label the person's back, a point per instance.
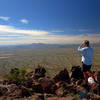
(87, 54)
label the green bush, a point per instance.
(18, 75)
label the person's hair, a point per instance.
(86, 42)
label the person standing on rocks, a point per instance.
(87, 55)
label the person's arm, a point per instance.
(80, 48)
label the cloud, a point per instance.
(58, 39)
(11, 35)
(82, 30)
(24, 21)
(14, 35)
(57, 31)
(12, 29)
(4, 18)
(69, 39)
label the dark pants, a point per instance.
(85, 67)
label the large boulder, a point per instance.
(39, 72)
(77, 73)
(63, 75)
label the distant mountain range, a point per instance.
(40, 45)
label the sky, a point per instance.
(49, 21)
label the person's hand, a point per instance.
(82, 44)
